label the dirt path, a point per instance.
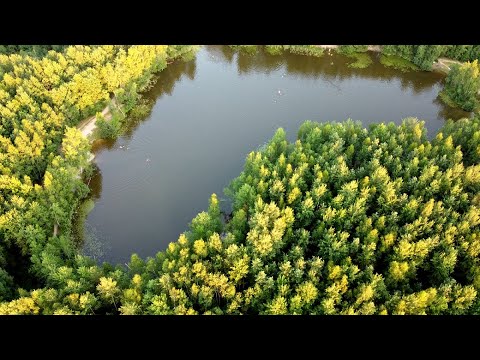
(87, 126)
(328, 46)
(444, 64)
(376, 48)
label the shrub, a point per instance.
(362, 60)
(351, 49)
(108, 129)
(462, 85)
(398, 63)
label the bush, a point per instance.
(462, 52)
(351, 49)
(310, 50)
(274, 49)
(108, 129)
(362, 60)
(462, 85)
(141, 110)
(421, 55)
(248, 49)
(398, 63)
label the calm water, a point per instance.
(210, 113)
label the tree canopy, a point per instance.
(42, 99)
(462, 85)
(345, 220)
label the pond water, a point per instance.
(209, 113)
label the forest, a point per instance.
(344, 220)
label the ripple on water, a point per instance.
(210, 114)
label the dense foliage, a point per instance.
(311, 50)
(249, 49)
(424, 55)
(343, 221)
(41, 153)
(421, 55)
(462, 52)
(351, 49)
(462, 85)
(398, 62)
(362, 60)
(32, 50)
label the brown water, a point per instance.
(210, 113)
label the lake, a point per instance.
(209, 113)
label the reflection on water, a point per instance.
(209, 113)
(94, 245)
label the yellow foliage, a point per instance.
(200, 248)
(107, 288)
(308, 292)
(21, 306)
(215, 243)
(278, 306)
(398, 270)
(239, 269)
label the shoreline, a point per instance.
(442, 64)
(88, 126)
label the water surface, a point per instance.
(209, 113)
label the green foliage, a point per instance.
(352, 49)
(310, 50)
(37, 51)
(274, 49)
(184, 52)
(462, 85)
(247, 49)
(108, 129)
(446, 99)
(141, 110)
(45, 91)
(398, 63)
(462, 52)
(344, 220)
(421, 55)
(6, 283)
(362, 60)
(424, 55)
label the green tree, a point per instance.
(463, 84)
